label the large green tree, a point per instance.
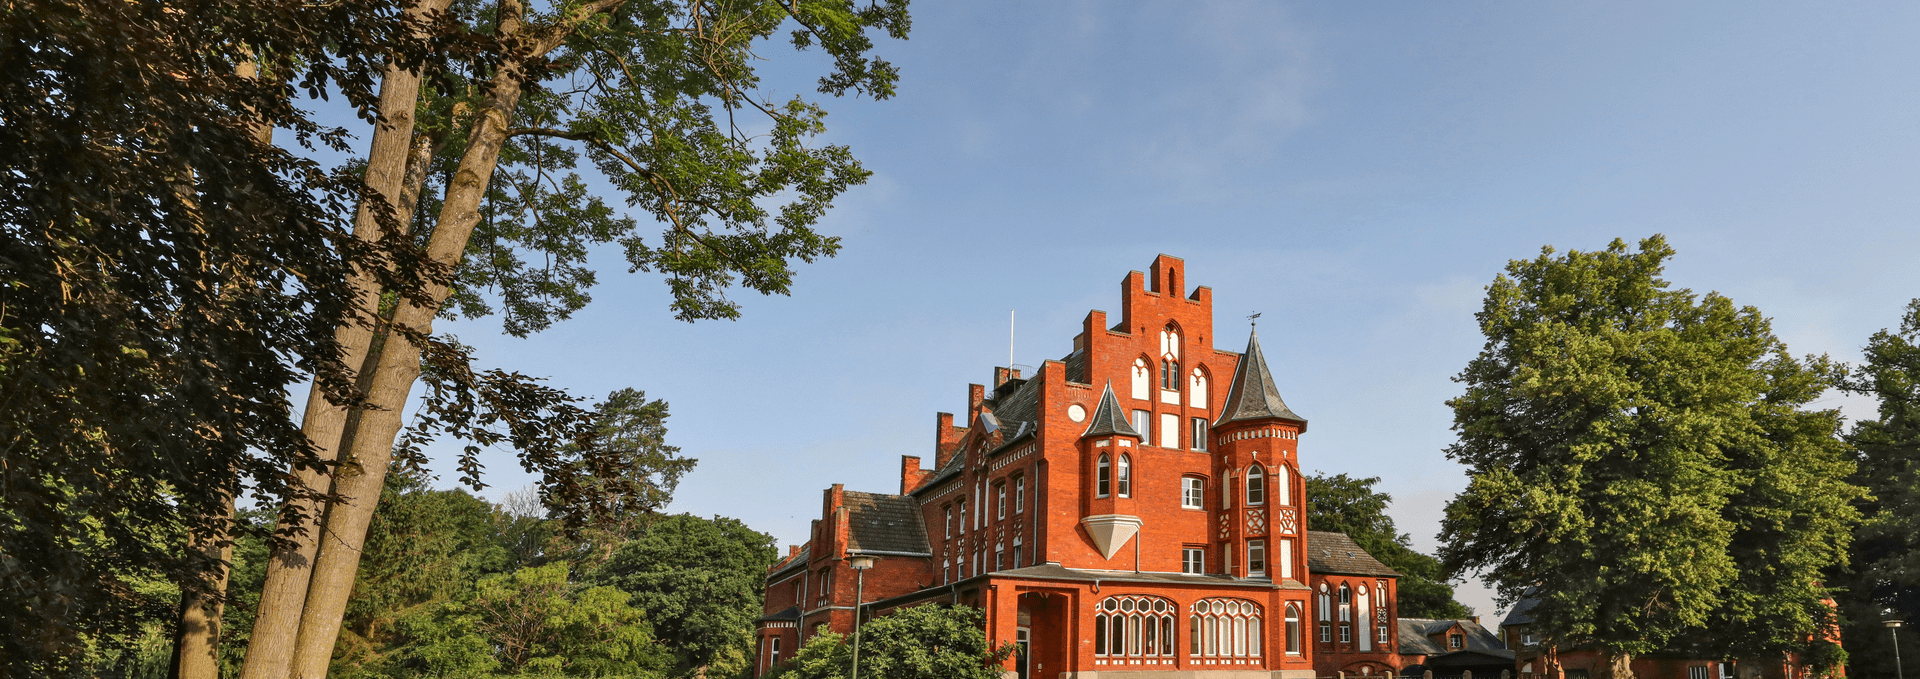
(663, 98)
(701, 582)
(1344, 504)
(1642, 461)
(167, 275)
(1885, 574)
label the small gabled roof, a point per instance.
(1253, 394)
(1336, 553)
(1107, 418)
(880, 522)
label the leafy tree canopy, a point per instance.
(1886, 549)
(701, 583)
(1642, 462)
(1344, 504)
(932, 641)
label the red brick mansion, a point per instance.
(1132, 510)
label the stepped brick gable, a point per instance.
(1131, 510)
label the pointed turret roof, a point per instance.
(1107, 419)
(1253, 395)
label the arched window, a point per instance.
(1256, 485)
(1282, 486)
(1131, 626)
(1326, 615)
(1170, 359)
(1197, 389)
(1293, 628)
(1224, 631)
(1103, 477)
(1142, 379)
(1126, 475)
(1346, 614)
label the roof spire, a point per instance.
(1106, 418)
(1253, 394)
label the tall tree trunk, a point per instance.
(196, 643)
(270, 652)
(372, 436)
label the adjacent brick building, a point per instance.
(1131, 510)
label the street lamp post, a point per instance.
(860, 564)
(1893, 625)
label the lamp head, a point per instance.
(1890, 618)
(860, 563)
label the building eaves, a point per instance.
(1336, 553)
(1253, 394)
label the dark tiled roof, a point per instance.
(1023, 405)
(878, 522)
(1076, 366)
(792, 562)
(1414, 638)
(788, 613)
(1337, 553)
(1521, 614)
(1253, 394)
(1107, 418)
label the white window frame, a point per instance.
(1103, 476)
(1199, 432)
(1123, 476)
(1000, 500)
(1256, 483)
(1256, 558)
(1193, 560)
(1019, 493)
(1193, 492)
(1143, 423)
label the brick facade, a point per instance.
(1147, 478)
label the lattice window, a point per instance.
(1133, 630)
(1224, 631)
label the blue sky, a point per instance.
(1355, 171)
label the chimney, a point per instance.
(975, 394)
(793, 551)
(910, 473)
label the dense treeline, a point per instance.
(452, 585)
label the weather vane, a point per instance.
(1254, 319)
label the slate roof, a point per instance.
(1521, 614)
(878, 522)
(1107, 419)
(1336, 553)
(1076, 363)
(788, 613)
(1414, 639)
(1253, 394)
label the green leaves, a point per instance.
(700, 581)
(930, 641)
(1344, 504)
(1641, 460)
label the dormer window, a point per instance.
(1256, 485)
(1455, 641)
(1126, 476)
(1103, 477)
